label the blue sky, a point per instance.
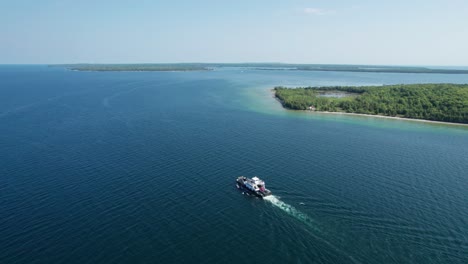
(416, 32)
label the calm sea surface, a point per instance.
(139, 167)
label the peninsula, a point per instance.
(259, 66)
(137, 67)
(436, 102)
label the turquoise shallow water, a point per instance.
(103, 167)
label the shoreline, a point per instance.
(86, 70)
(382, 116)
(367, 115)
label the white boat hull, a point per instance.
(241, 184)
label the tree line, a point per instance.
(438, 102)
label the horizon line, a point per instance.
(285, 63)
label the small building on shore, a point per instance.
(311, 108)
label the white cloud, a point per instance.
(317, 11)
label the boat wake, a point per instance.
(289, 209)
(318, 234)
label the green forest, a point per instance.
(137, 67)
(438, 102)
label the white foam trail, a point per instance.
(289, 209)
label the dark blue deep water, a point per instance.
(139, 167)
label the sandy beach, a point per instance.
(381, 116)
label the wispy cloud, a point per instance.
(317, 11)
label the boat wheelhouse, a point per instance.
(253, 185)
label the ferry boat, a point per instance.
(253, 186)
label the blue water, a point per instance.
(139, 167)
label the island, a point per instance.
(436, 102)
(259, 66)
(137, 67)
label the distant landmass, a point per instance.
(258, 66)
(389, 69)
(136, 67)
(436, 102)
